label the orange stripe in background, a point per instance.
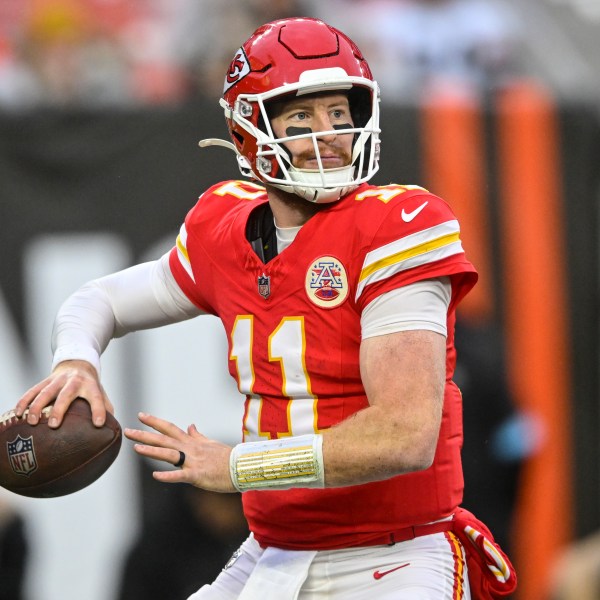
(454, 168)
(534, 287)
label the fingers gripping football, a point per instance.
(206, 461)
(69, 380)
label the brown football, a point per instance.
(40, 462)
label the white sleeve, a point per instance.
(141, 297)
(420, 305)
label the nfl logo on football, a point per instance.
(264, 286)
(21, 455)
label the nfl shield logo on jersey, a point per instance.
(22, 456)
(264, 286)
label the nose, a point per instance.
(324, 123)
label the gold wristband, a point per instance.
(278, 464)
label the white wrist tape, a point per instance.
(278, 464)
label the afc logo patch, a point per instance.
(21, 455)
(238, 69)
(326, 282)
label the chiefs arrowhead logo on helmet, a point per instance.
(238, 69)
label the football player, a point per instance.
(338, 298)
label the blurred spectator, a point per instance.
(186, 538)
(99, 53)
(417, 45)
(577, 573)
(210, 31)
(62, 56)
(13, 553)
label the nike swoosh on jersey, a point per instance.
(380, 574)
(407, 217)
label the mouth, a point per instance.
(329, 160)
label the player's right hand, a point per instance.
(70, 379)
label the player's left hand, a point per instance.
(206, 462)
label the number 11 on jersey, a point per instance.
(287, 346)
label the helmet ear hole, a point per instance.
(237, 138)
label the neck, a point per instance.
(290, 210)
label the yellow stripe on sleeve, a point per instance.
(415, 250)
(182, 252)
(182, 249)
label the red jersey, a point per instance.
(294, 334)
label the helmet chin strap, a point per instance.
(324, 193)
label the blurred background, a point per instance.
(492, 104)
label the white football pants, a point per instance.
(431, 567)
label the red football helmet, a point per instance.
(292, 57)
